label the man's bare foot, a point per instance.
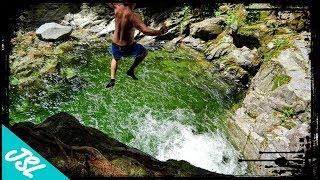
(131, 74)
(111, 83)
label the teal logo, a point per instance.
(20, 161)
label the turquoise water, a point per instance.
(175, 110)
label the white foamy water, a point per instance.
(165, 140)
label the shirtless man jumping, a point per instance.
(123, 44)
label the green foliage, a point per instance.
(279, 80)
(14, 81)
(264, 15)
(186, 18)
(231, 18)
(217, 13)
(286, 116)
(288, 112)
(237, 14)
(280, 44)
(68, 72)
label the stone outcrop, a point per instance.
(80, 151)
(276, 110)
(208, 28)
(53, 31)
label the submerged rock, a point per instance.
(80, 151)
(53, 31)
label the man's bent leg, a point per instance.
(114, 67)
(136, 62)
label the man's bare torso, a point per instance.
(124, 30)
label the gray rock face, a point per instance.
(108, 29)
(208, 28)
(53, 31)
(245, 58)
(274, 114)
(223, 46)
(195, 43)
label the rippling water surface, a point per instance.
(174, 111)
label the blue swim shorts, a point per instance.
(134, 50)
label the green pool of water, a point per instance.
(175, 107)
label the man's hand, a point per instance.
(164, 29)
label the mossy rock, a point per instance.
(68, 72)
(237, 14)
(64, 47)
(279, 80)
(130, 166)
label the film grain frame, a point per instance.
(11, 9)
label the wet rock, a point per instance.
(80, 151)
(208, 28)
(53, 31)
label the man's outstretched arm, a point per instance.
(141, 26)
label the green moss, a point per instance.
(186, 18)
(49, 67)
(288, 112)
(64, 47)
(217, 13)
(286, 117)
(281, 43)
(279, 80)
(68, 72)
(237, 14)
(264, 15)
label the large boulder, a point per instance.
(208, 28)
(53, 31)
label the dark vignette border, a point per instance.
(11, 9)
